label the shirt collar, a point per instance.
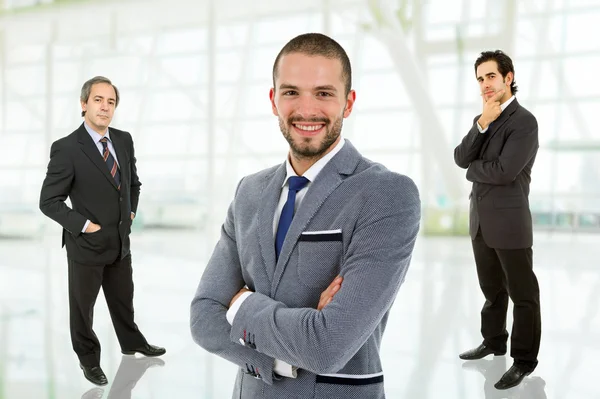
(507, 103)
(313, 171)
(95, 135)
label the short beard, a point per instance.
(303, 150)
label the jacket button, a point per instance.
(478, 198)
(120, 199)
(120, 223)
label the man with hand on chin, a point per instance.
(269, 299)
(499, 152)
(95, 168)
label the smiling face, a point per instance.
(491, 81)
(310, 102)
(100, 107)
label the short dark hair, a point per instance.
(86, 89)
(505, 65)
(317, 44)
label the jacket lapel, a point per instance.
(497, 124)
(270, 194)
(91, 151)
(332, 175)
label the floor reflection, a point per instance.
(493, 369)
(434, 317)
(131, 370)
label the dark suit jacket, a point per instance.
(78, 171)
(499, 163)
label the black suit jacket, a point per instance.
(499, 163)
(78, 171)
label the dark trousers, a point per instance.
(84, 284)
(505, 273)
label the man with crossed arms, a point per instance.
(266, 299)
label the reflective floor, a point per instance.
(436, 316)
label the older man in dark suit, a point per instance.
(498, 153)
(95, 168)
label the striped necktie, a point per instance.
(111, 163)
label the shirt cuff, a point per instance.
(85, 226)
(284, 369)
(236, 306)
(481, 130)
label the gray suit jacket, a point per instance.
(336, 349)
(499, 164)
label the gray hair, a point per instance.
(86, 89)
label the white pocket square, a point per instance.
(336, 231)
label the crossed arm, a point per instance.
(468, 150)
(520, 146)
(324, 340)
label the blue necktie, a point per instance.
(296, 183)
(113, 168)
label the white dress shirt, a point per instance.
(281, 367)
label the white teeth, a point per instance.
(309, 128)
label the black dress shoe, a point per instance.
(480, 352)
(513, 377)
(146, 350)
(94, 374)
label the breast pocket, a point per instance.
(319, 257)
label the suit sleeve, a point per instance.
(135, 181)
(520, 147)
(221, 280)
(375, 265)
(468, 150)
(56, 189)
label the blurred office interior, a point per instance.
(194, 77)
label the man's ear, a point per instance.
(272, 98)
(350, 99)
